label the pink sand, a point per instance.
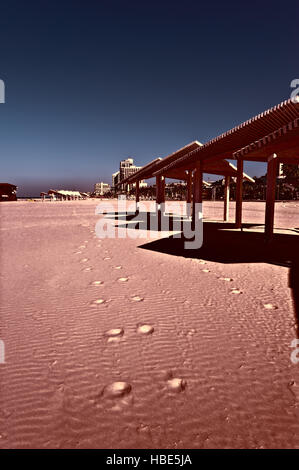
(238, 387)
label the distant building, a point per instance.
(280, 169)
(8, 192)
(126, 169)
(280, 173)
(101, 188)
(115, 179)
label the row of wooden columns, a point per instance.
(272, 166)
(197, 176)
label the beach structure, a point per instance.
(8, 192)
(158, 169)
(278, 147)
(66, 195)
(271, 137)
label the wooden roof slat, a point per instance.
(242, 135)
(286, 138)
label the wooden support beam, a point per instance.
(189, 193)
(159, 197)
(239, 193)
(137, 194)
(137, 191)
(158, 189)
(226, 199)
(197, 190)
(270, 195)
(163, 189)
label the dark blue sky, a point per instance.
(89, 83)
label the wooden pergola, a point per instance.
(281, 146)
(159, 169)
(271, 137)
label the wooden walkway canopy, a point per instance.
(271, 137)
(161, 165)
(157, 166)
(226, 144)
(281, 146)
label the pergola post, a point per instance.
(159, 199)
(189, 193)
(137, 195)
(239, 193)
(226, 199)
(197, 191)
(162, 189)
(270, 195)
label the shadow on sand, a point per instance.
(222, 245)
(141, 220)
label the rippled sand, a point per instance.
(110, 345)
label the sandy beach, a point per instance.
(123, 343)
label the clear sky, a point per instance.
(89, 83)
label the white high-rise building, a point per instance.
(101, 188)
(126, 169)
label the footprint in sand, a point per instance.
(97, 283)
(116, 390)
(191, 332)
(123, 279)
(176, 384)
(114, 333)
(145, 329)
(227, 279)
(270, 306)
(294, 388)
(136, 298)
(236, 291)
(98, 302)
